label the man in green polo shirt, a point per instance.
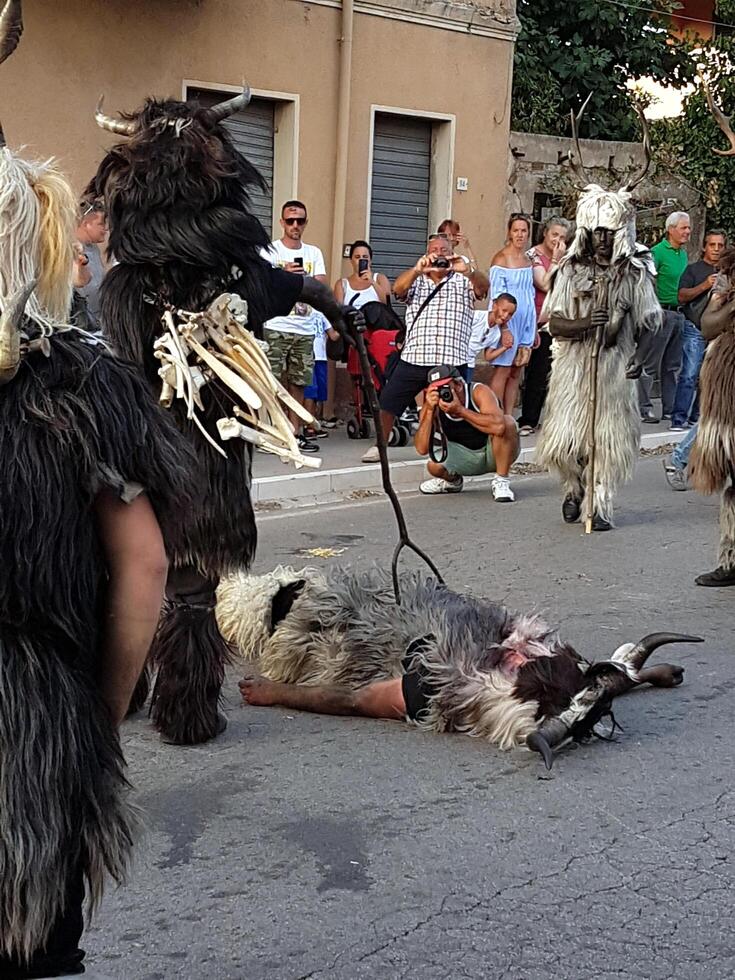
(659, 354)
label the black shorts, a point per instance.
(406, 381)
(415, 684)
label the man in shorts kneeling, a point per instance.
(479, 437)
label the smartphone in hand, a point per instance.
(362, 266)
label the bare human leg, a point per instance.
(505, 447)
(498, 384)
(511, 389)
(297, 392)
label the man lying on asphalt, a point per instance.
(479, 437)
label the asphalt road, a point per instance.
(300, 846)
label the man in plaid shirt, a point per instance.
(438, 329)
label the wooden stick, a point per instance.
(599, 301)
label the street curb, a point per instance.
(323, 483)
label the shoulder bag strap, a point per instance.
(425, 303)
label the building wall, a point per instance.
(128, 49)
(536, 169)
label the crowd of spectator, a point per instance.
(490, 351)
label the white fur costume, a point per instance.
(633, 307)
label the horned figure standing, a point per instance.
(601, 299)
(712, 460)
(183, 233)
(83, 447)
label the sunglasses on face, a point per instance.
(294, 221)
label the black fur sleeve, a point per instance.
(130, 438)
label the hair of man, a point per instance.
(294, 204)
(715, 232)
(675, 217)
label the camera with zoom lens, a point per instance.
(440, 263)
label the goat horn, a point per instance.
(634, 181)
(722, 121)
(224, 109)
(2, 138)
(10, 333)
(11, 28)
(645, 647)
(119, 126)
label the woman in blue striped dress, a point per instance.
(511, 272)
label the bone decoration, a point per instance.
(216, 348)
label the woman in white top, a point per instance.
(364, 285)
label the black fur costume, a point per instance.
(70, 424)
(182, 232)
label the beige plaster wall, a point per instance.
(73, 51)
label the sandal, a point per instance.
(526, 430)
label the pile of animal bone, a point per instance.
(215, 347)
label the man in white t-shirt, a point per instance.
(291, 338)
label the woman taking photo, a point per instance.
(545, 258)
(511, 272)
(363, 285)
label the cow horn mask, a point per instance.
(120, 126)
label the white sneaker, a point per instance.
(372, 455)
(437, 485)
(501, 491)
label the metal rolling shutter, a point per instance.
(252, 133)
(399, 202)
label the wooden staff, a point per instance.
(599, 302)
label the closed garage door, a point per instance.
(252, 133)
(399, 202)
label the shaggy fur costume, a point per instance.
(495, 674)
(633, 307)
(712, 461)
(176, 194)
(70, 424)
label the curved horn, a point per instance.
(10, 333)
(545, 738)
(11, 28)
(645, 647)
(722, 121)
(119, 126)
(224, 109)
(634, 181)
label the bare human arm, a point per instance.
(423, 435)
(382, 287)
(406, 279)
(137, 567)
(490, 419)
(687, 295)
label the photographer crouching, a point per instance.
(473, 435)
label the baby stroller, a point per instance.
(383, 336)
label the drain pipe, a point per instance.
(343, 136)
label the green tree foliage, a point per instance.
(566, 50)
(683, 145)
